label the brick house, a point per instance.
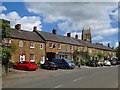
(29, 46)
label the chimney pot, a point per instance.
(18, 27)
(54, 31)
(76, 36)
(108, 44)
(68, 34)
(34, 28)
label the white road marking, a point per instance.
(58, 86)
(79, 78)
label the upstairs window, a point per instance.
(41, 46)
(21, 44)
(59, 46)
(71, 47)
(50, 45)
(32, 45)
(7, 41)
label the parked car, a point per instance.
(114, 62)
(25, 65)
(93, 63)
(107, 63)
(100, 63)
(63, 63)
(49, 65)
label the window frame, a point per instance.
(20, 42)
(33, 58)
(59, 46)
(41, 44)
(33, 44)
(50, 45)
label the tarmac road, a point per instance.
(87, 77)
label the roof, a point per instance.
(26, 35)
(70, 40)
(58, 38)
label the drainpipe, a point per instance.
(45, 50)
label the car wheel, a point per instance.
(27, 69)
(14, 67)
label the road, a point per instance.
(91, 77)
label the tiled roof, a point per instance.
(26, 35)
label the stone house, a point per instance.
(29, 46)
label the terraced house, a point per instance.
(58, 46)
(29, 46)
(39, 45)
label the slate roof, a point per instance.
(70, 40)
(26, 35)
(58, 38)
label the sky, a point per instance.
(100, 17)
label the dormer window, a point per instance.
(32, 45)
(21, 44)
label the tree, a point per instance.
(118, 52)
(83, 55)
(5, 32)
(100, 56)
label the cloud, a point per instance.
(74, 33)
(75, 15)
(116, 44)
(96, 38)
(105, 42)
(27, 22)
(3, 8)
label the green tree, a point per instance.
(118, 52)
(100, 56)
(83, 55)
(5, 32)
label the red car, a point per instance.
(25, 65)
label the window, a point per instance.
(20, 44)
(59, 46)
(50, 45)
(7, 41)
(71, 47)
(32, 45)
(22, 57)
(32, 58)
(41, 46)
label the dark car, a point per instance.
(93, 63)
(63, 63)
(49, 65)
(114, 62)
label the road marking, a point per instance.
(58, 86)
(79, 78)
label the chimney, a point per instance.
(54, 31)
(18, 27)
(108, 44)
(34, 28)
(68, 34)
(76, 36)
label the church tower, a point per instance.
(86, 35)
